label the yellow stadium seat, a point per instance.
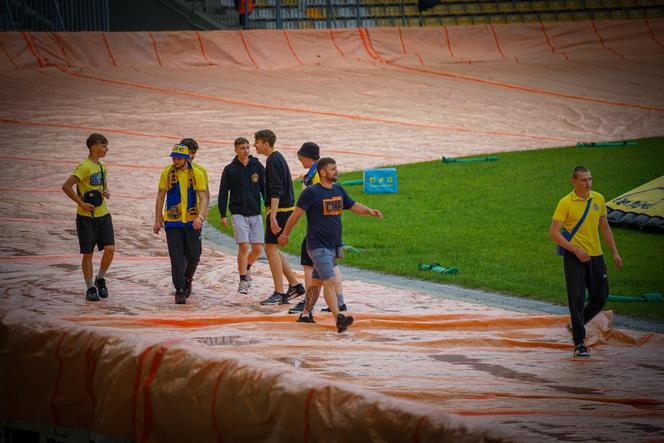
(610, 4)
(412, 11)
(514, 18)
(489, 8)
(644, 3)
(530, 18)
(637, 13)
(497, 19)
(573, 5)
(540, 6)
(473, 8)
(414, 21)
(627, 3)
(464, 20)
(564, 17)
(522, 6)
(582, 16)
(441, 10)
(457, 9)
(481, 20)
(432, 21)
(448, 21)
(547, 17)
(556, 5)
(601, 15)
(654, 13)
(619, 14)
(506, 7)
(594, 4)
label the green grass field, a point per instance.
(491, 220)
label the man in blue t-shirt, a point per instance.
(324, 204)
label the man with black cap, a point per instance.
(93, 221)
(308, 154)
(183, 189)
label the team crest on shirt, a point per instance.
(595, 206)
(254, 178)
(174, 212)
(95, 179)
(333, 206)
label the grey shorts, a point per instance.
(324, 261)
(247, 229)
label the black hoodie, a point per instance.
(245, 183)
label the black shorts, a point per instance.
(282, 218)
(305, 260)
(91, 231)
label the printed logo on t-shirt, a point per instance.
(254, 178)
(595, 207)
(333, 206)
(95, 179)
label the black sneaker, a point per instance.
(180, 296)
(276, 299)
(343, 321)
(341, 308)
(580, 350)
(92, 295)
(100, 283)
(297, 309)
(188, 282)
(306, 319)
(295, 291)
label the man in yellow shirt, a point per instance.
(93, 222)
(193, 150)
(183, 189)
(583, 260)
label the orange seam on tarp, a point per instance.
(215, 391)
(646, 338)
(449, 43)
(516, 59)
(495, 37)
(366, 42)
(7, 54)
(416, 434)
(154, 46)
(108, 48)
(652, 34)
(601, 41)
(33, 48)
(54, 395)
(548, 42)
(528, 88)
(334, 41)
(137, 384)
(322, 113)
(403, 44)
(292, 50)
(147, 398)
(246, 48)
(59, 42)
(307, 404)
(200, 43)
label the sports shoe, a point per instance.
(244, 287)
(92, 295)
(580, 350)
(298, 308)
(341, 308)
(569, 329)
(180, 296)
(100, 283)
(306, 319)
(276, 299)
(343, 321)
(187, 286)
(295, 291)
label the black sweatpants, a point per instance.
(184, 248)
(579, 276)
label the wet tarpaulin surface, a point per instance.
(413, 366)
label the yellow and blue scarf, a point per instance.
(172, 216)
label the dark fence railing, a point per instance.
(54, 15)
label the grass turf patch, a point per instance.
(491, 220)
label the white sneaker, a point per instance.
(244, 287)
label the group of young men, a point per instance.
(183, 189)
(181, 208)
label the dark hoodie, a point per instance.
(245, 183)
